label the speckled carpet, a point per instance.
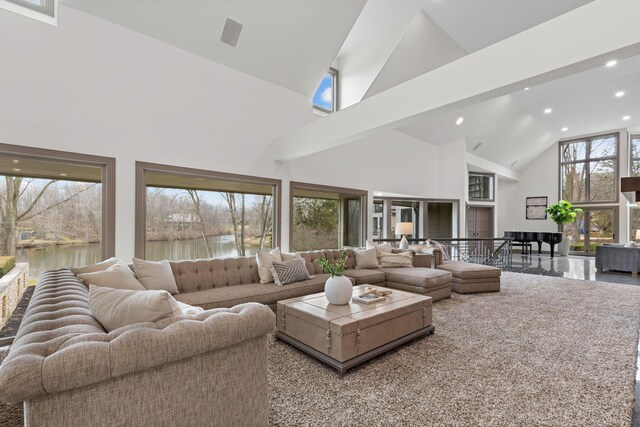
(544, 351)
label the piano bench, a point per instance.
(527, 248)
(471, 278)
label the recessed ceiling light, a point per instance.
(16, 161)
(459, 121)
(63, 174)
(620, 94)
(527, 88)
(548, 110)
(611, 63)
(626, 117)
(564, 129)
(16, 170)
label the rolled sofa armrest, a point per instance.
(67, 359)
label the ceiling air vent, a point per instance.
(478, 145)
(231, 32)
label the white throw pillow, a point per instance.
(100, 266)
(381, 249)
(264, 260)
(366, 258)
(118, 276)
(155, 275)
(189, 310)
(115, 308)
(401, 260)
(631, 244)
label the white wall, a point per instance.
(539, 178)
(92, 87)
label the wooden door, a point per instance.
(479, 222)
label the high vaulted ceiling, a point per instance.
(290, 43)
(472, 24)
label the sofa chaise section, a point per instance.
(426, 281)
(70, 372)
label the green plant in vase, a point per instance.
(563, 213)
(338, 288)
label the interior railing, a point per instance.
(491, 251)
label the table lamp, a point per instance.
(637, 235)
(404, 228)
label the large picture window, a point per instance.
(589, 170)
(326, 217)
(184, 213)
(634, 170)
(57, 209)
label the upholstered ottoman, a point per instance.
(471, 278)
(426, 281)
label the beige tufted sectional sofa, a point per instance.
(183, 370)
(214, 283)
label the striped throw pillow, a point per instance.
(294, 270)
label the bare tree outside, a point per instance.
(47, 212)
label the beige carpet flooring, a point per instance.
(544, 352)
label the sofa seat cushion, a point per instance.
(264, 293)
(466, 270)
(364, 276)
(420, 277)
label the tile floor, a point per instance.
(578, 267)
(571, 267)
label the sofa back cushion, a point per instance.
(312, 258)
(203, 274)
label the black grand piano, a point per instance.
(525, 238)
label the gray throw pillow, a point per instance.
(291, 271)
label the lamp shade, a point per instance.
(404, 228)
(637, 235)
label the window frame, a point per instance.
(493, 186)
(49, 8)
(335, 75)
(586, 162)
(108, 182)
(631, 208)
(348, 192)
(141, 196)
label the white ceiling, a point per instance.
(291, 43)
(473, 24)
(515, 127)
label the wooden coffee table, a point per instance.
(343, 336)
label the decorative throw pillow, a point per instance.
(100, 266)
(366, 258)
(288, 257)
(384, 248)
(155, 275)
(401, 260)
(631, 244)
(189, 310)
(423, 249)
(294, 270)
(115, 308)
(443, 249)
(264, 260)
(118, 276)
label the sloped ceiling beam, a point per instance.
(579, 40)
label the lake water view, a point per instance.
(42, 259)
